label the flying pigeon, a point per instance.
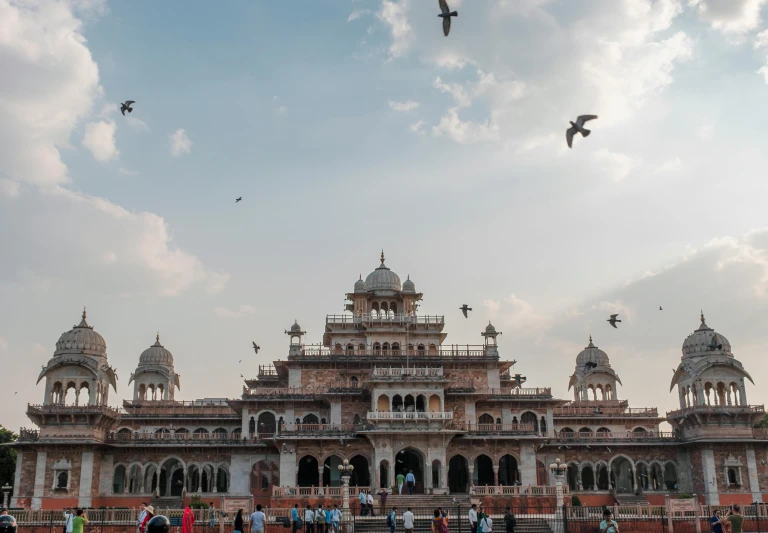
(613, 320)
(256, 347)
(241, 375)
(660, 309)
(238, 199)
(578, 127)
(713, 345)
(446, 16)
(127, 106)
(464, 308)
(590, 364)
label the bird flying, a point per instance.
(713, 345)
(590, 364)
(578, 127)
(660, 309)
(464, 308)
(256, 347)
(126, 106)
(446, 16)
(238, 199)
(613, 320)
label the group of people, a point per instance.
(732, 521)
(74, 520)
(481, 522)
(316, 519)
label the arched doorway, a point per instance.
(171, 478)
(587, 478)
(530, 418)
(622, 476)
(410, 461)
(267, 424)
(361, 475)
(670, 476)
(483, 474)
(264, 476)
(602, 477)
(508, 473)
(573, 477)
(436, 471)
(384, 475)
(308, 475)
(458, 475)
(331, 474)
(541, 474)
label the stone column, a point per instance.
(39, 490)
(742, 393)
(288, 470)
(17, 479)
(320, 475)
(754, 482)
(244, 426)
(527, 464)
(215, 476)
(709, 471)
(471, 476)
(550, 423)
(86, 480)
(495, 475)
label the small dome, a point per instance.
(592, 354)
(360, 285)
(489, 329)
(156, 355)
(705, 341)
(295, 328)
(383, 278)
(409, 286)
(81, 339)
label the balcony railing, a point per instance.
(715, 409)
(413, 415)
(72, 410)
(315, 430)
(495, 429)
(301, 393)
(468, 387)
(600, 411)
(28, 435)
(352, 492)
(182, 438)
(267, 371)
(399, 372)
(452, 352)
(215, 408)
(517, 490)
(367, 318)
(629, 436)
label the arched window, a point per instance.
(395, 348)
(350, 349)
(338, 349)
(485, 419)
(61, 480)
(310, 419)
(530, 418)
(220, 433)
(420, 349)
(118, 480)
(376, 348)
(585, 433)
(201, 433)
(356, 419)
(385, 348)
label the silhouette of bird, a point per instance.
(446, 16)
(241, 375)
(127, 106)
(464, 308)
(256, 347)
(240, 361)
(713, 345)
(660, 309)
(238, 199)
(590, 364)
(578, 127)
(613, 320)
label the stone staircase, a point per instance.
(423, 502)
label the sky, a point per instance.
(349, 127)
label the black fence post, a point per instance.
(51, 523)
(459, 517)
(662, 519)
(757, 516)
(565, 519)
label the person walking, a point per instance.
(79, 521)
(410, 480)
(608, 525)
(150, 512)
(238, 527)
(319, 519)
(295, 518)
(142, 514)
(735, 519)
(400, 479)
(392, 519)
(258, 520)
(408, 520)
(369, 499)
(68, 516)
(473, 518)
(510, 522)
(309, 520)
(335, 518)
(437, 522)
(188, 521)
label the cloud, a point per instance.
(136, 123)
(395, 15)
(127, 172)
(618, 166)
(517, 315)
(3, 345)
(408, 105)
(282, 109)
(9, 188)
(180, 143)
(417, 127)
(99, 138)
(357, 13)
(705, 132)
(450, 60)
(465, 132)
(243, 310)
(732, 17)
(671, 166)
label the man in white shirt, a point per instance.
(258, 520)
(335, 518)
(309, 519)
(408, 521)
(68, 516)
(142, 515)
(369, 499)
(473, 518)
(486, 524)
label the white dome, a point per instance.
(409, 286)
(594, 354)
(81, 339)
(156, 355)
(360, 285)
(383, 278)
(705, 341)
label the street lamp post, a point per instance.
(6, 500)
(346, 471)
(559, 471)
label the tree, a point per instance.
(763, 422)
(7, 457)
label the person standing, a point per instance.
(383, 500)
(79, 521)
(369, 499)
(408, 521)
(400, 479)
(238, 527)
(510, 522)
(392, 519)
(319, 519)
(142, 514)
(68, 516)
(410, 480)
(363, 503)
(309, 520)
(150, 512)
(486, 524)
(188, 521)
(716, 523)
(295, 518)
(258, 520)
(608, 525)
(735, 519)
(212, 513)
(335, 518)
(473, 518)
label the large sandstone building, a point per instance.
(384, 391)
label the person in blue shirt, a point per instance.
(295, 518)
(410, 481)
(392, 520)
(716, 523)
(335, 518)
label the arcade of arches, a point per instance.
(622, 475)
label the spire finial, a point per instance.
(84, 315)
(157, 337)
(361, 277)
(382, 256)
(590, 339)
(702, 316)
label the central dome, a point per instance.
(383, 279)
(81, 339)
(592, 354)
(156, 355)
(705, 341)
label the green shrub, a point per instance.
(197, 503)
(575, 501)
